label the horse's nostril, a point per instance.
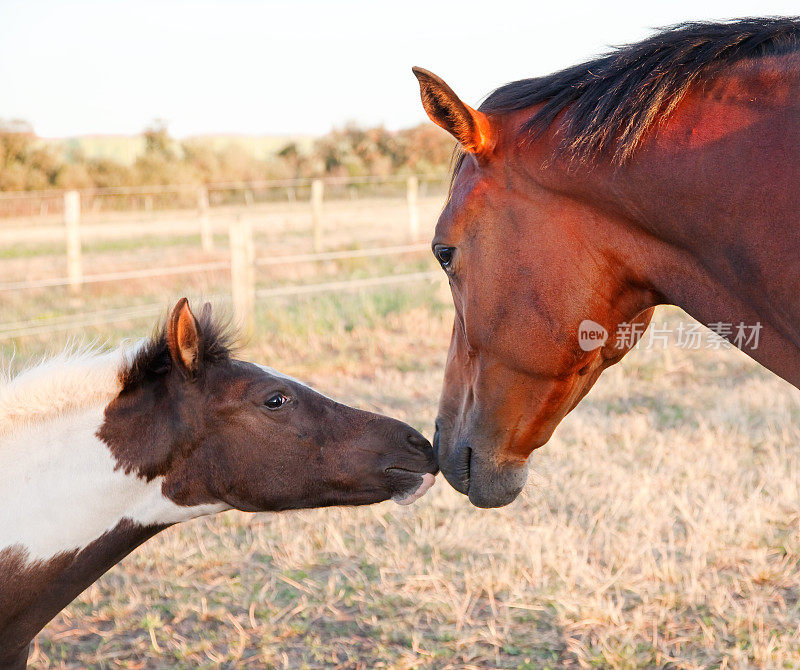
(436, 437)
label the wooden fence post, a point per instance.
(242, 274)
(412, 189)
(72, 223)
(206, 234)
(317, 188)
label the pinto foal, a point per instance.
(98, 453)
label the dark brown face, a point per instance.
(270, 443)
(223, 430)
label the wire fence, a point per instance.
(215, 266)
(240, 261)
(158, 197)
(17, 329)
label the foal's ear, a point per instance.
(183, 338)
(471, 128)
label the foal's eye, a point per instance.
(276, 401)
(444, 255)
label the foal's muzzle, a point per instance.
(412, 470)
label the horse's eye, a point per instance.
(444, 255)
(276, 401)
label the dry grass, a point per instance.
(660, 527)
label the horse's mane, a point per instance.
(610, 102)
(82, 375)
(78, 376)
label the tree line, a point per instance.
(28, 163)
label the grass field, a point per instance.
(659, 528)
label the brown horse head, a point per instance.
(582, 199)
(221, 430)
(523, 281)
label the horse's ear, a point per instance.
(471, 128)
(183, 338)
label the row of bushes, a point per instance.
(27, 163)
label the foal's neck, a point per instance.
(61, 488)
(32, 593)
(68, 512)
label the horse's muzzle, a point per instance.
(472, 469)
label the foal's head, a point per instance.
(221, 430)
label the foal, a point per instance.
(98, 453)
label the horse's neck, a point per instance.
(728, 210)
(710, 210)
(68, 513)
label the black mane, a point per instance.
(153, 358)
(611, 101)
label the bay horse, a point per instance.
(98, 453)
(665, 172)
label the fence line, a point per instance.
(117, 276)
(338, 255)
(70, 322)
(71, 208)
(347, 284)
(241, 262)
(158, 189)
(109, 312)
(213, 266)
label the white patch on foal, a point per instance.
(62, 383)
(76, 378)
(60, 486)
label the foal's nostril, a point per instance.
(416, 440)
(422, 455)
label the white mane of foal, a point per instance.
(77, 377)
(60, 486)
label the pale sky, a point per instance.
(269, 67)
